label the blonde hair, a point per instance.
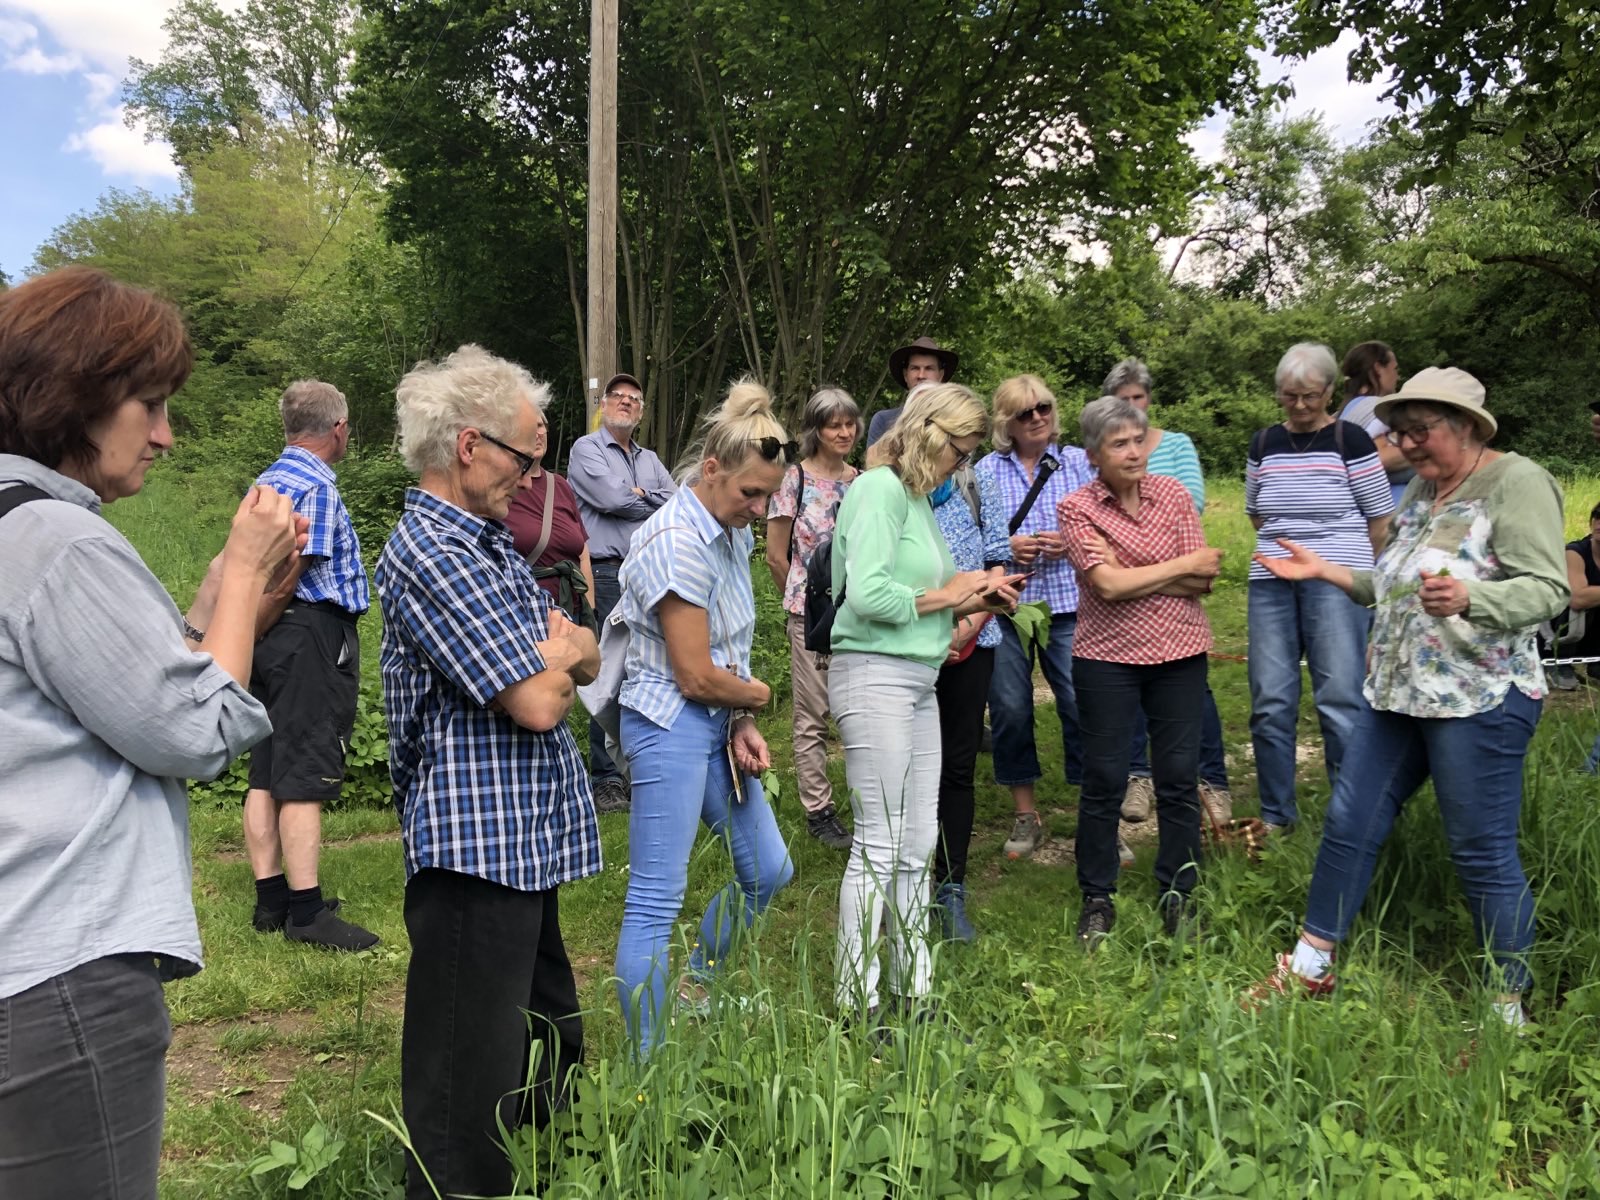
(730, 433)
(1012, 397)
(470, 389)
(933, 417)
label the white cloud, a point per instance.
(120, 150)
(101, 88)
(1322, 85)
(16, 33)
(103, 32)
(34, 61)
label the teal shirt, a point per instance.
(887, 551)
(1175, 455)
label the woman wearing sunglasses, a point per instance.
(1027, 437)
(693, 748)
(899, 598)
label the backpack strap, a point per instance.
(799, 505)
(18, 495)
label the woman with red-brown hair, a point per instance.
(109, 700)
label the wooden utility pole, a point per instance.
(602, 348)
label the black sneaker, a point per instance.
(826, 827)
(612, 795)
(1095, 921)
(331, 933)
(272, 920)
(1177, 914)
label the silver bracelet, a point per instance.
(191, 633)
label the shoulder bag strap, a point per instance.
(18, 495)
(799, 504)
(1041, 475)
(544, 518)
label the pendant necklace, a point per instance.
(1296, 446)
(1451, 490)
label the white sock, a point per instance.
(1308, 962)
(1511, 1013)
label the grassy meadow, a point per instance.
(1131, 1073)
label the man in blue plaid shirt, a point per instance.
(496, 812)
(307, 671)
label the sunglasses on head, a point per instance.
(771, 447)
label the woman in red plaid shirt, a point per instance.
(1142, 637)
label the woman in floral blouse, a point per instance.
(1453, 678)
(830, 428)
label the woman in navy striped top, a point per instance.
(1316, 481)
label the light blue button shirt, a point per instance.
(684, 550)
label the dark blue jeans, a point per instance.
(1110, 693)
(1213, 760)
(1016, 757)
(1287, 620)
(607, 594)
(1476, 765)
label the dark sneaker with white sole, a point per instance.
(825, 826)
(331, 933)
(1096, 921)
(612, 795)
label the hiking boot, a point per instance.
(1095, 921)
(1216, 802)
(825, 826)
(1284, 982)
(331, 933)
(1139, 799)
(272, 920)
(612, 795)
(1125, 857)
(1027, 835)
(951, 903)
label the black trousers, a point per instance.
(83, 1083)
(1109, 697)
(963, 693)
(486, 961)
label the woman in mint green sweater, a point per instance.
(901, 595)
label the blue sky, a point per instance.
(62, 63)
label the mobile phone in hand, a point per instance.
(1018, 582)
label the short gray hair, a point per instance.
(826, 405)
(1307, 362)
(310, 408)
(1106, 416)
(470, 389)
(1129, 370)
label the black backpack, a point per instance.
(821, 603)
(19, 494)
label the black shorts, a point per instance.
(307, 672)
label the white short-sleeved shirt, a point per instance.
(684, 550)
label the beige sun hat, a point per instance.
(1450, 386)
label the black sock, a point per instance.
(304, 905)
(272, 894)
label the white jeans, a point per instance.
(889, 721)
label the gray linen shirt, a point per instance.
(104, 711)
(603, 475)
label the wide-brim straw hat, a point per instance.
(1449, 386)
(948, 359)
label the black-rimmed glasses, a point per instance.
(525, 462)
(771, 447)
(1417, 434)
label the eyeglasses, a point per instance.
(1302, 397)
(1418, 433)
(963, 457)
(1041, 410)
(628, 396)
(525, 462)
(771, 447)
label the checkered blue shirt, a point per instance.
(476, 792)
(337, 576)
(1054, 580)
(683, 549)
(971, 547)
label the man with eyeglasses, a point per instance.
(619, 484)
(307, 671)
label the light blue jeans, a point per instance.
(889, 722)
(681, 780)
(1287, 620)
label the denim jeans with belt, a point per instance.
(1476, 766)
(83, 1082)
(1287, 619)
(1016, 757)
(681, 780)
